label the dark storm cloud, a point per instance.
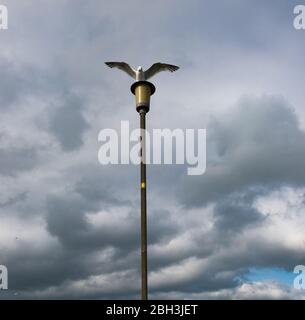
(14, 160)
(68, 124)
(10, 84)
(257, 143)
(93, 188)
(79, 241)
(20, 81)
(11, 201)
(67, 220)
(234, 217)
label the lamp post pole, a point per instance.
(142, 91)
(144, 289)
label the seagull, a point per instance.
(139, 74)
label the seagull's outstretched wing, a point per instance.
(158, 67)
(122, 66)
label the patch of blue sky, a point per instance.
(270, 274)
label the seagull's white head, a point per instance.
(140, 69)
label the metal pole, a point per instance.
(144, 290)
(143, 90)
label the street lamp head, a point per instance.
(142, 89)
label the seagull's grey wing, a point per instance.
(122, 66)
(158, 67)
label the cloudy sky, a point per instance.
(69, 227)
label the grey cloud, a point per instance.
(66, 219)
(263, 290)
(74, 258)
(14, 160)
(93, 188)
(11, 201)
(257, 143)
(19, 82)
(233, 217)
(68, 124)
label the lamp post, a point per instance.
(143, 90)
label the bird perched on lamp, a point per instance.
(139, 74)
